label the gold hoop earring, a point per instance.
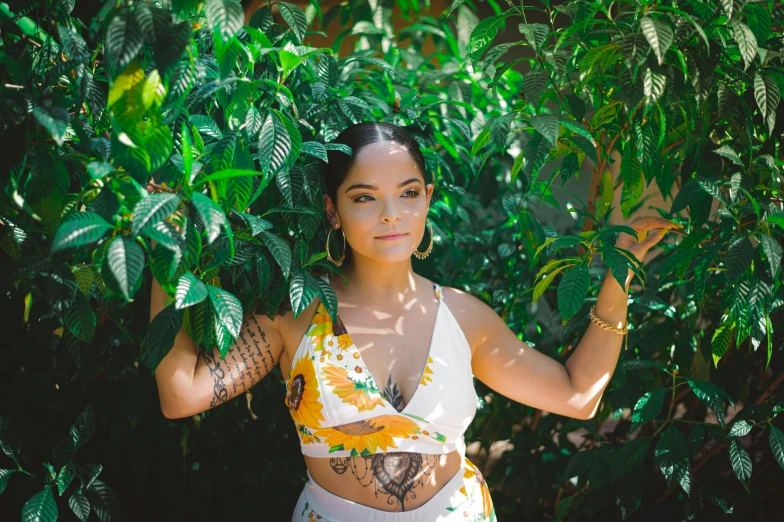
(329, 256)
(422, 255)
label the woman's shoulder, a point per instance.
(472, 314)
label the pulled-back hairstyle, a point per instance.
(358, 136)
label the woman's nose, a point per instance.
(390, 211)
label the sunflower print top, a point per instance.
(339, 410)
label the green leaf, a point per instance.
(124, 40)
(653, 84)
(728, 6)
(759, 21)
(741, 462)
(153, 22)
(161, 334)
(740, 428)
(274, 144)
(711, 395)
(206, 125)
(548, 126)
(776, 440)
(153, 209)
(227, 308)
(544, 283)
(659, 35)
(54, 120)
(187, 154)
(168, 50)
(84, 278)
(633, 180)
(81, 228)
(535, 34)
(635, 49)
(606, 194)
(233, 173)
(211, 214)
(315, 149)
(738, 257)
(535, 154)
(280, 251)
(105, 501)
(729, 153)
(585, 145)
(534, 83)
(126, 262)
(295, 137)
(225, 17)
(80, 318)
(647, 408)
(672, 457)
(41, 507)
(767, 94)
(289, 61)
(193, 246)
(572, 290)
(629, 455)
(302, 290)
(80, 505)
(296, 19)
(483, 35)
(153, 91)
(83, 428)
(166, 236)
(190, 290)
(773, 252)
(5, 476)
(728, 100)
(747, 42)
(720, 342)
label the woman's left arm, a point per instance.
(516, 370)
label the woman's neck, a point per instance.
(378, 283)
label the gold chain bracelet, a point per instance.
(607, 326)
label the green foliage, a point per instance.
(230, 123)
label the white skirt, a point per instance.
(464, 498)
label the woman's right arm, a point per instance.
(190, 381)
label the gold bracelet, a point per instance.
(607, 326)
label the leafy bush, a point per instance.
(229, 123)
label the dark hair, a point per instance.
(358, 136)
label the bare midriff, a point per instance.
(394, 481)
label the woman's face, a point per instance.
(384, 193)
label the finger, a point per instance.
(653, 237)
(656, 223)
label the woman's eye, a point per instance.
(415, 193)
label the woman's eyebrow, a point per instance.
(374, 187)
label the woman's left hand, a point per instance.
(657, 226)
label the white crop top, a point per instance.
(339, 410)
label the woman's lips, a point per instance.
(389, 238)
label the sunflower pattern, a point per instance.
(475, 490)
(327, 336)
(357, 388)
(302, 395)
(427, 372)
(369, 436)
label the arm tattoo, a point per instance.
(393, 474)
(247, 361)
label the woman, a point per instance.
(381, 396)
